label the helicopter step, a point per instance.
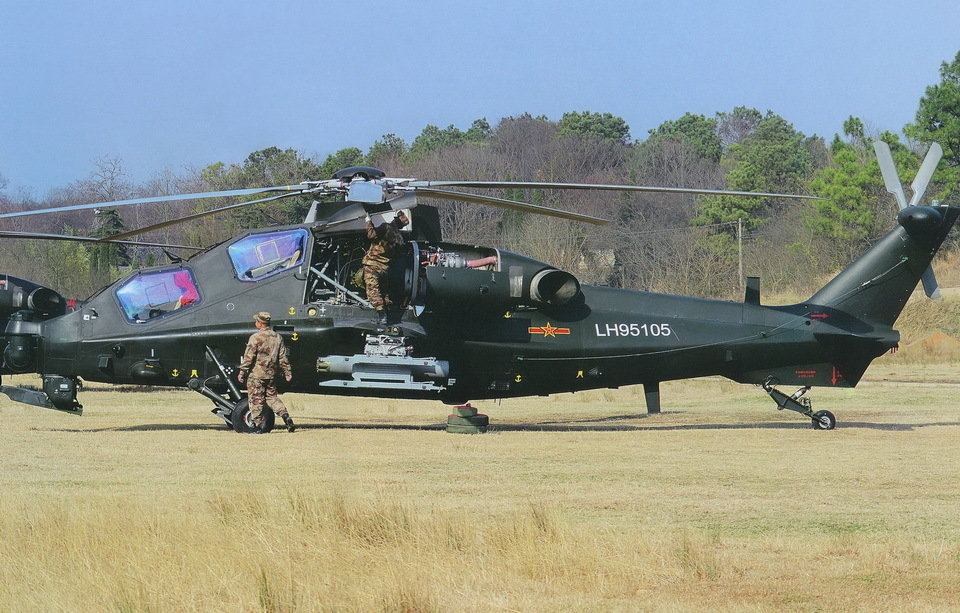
(385, 364)
(821, 420)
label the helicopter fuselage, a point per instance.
(491, 324)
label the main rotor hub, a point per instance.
(363, 172)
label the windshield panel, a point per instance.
(155, 294)
(263, 255)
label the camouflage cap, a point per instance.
(263, 317)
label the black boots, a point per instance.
(290, 425)
(394, 315)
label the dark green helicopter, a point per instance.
(476, 322)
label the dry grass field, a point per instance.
(570, 503)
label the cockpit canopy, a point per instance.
(155, 294)
(259, 256)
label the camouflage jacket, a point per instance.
(385, 239)
(265, 353)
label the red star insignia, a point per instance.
(548, 330)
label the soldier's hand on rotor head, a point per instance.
(240, 377)
(289, 378)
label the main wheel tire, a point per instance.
(475, 420)
(455, 429)
(242, 420)
(824, 420)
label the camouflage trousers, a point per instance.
(375, 280)
(260, 392)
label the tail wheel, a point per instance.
(823, 420)
(242, 419)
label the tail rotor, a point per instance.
(919, 186)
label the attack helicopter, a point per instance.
(473, 323)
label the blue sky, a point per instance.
(171, 84)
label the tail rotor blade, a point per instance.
(930, 287)
(889, 171)
(929, 166)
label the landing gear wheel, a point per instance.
(243, 422)
(474, 424)
(454, 429)
(476, 420)
(823, 420)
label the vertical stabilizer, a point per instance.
(878, 284)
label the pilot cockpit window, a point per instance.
(262, 255)
(155, 294)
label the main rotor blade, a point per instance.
(929, 166)
(526, 207)
(297, 189)
(597, 186)
(889, 171)
(88, 239)
(179, 220)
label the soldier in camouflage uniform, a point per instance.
(264, 356)
(385, 241)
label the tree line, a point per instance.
(660, 242)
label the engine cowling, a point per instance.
(463, 277)
(22, 295)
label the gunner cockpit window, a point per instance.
(262, 255)
(155, 294)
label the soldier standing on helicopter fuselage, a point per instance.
(385, 241)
